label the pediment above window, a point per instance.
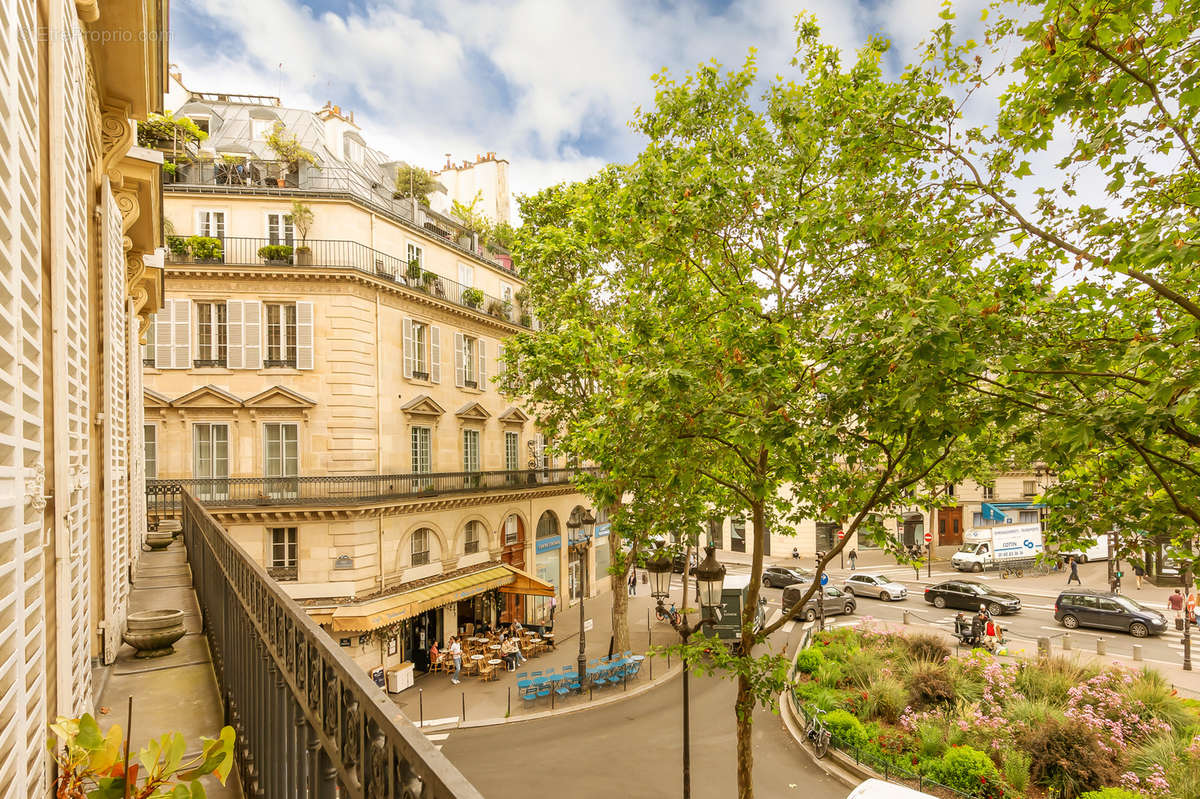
(153, 400)
(474, 412)
(514, 416)
(280, 397)
(207, 397)
(422, 405)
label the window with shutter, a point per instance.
(252, 357)
(460, 375)
(136, 443)
(409, 357)
(435, 354)
(279, 228)
(482, 345)
(164, 337)
(181, 317)
(305, 344)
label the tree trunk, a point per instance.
(744, 709)
(620, 589)
(744, 705)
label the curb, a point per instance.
(543, 714)
(826, 764)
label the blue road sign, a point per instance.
(824, 579)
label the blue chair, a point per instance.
(530, 697)
(525, 687)
(544, 688)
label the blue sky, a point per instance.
(548, 84)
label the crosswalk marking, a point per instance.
(436, 722)
(789, 626)
(437, 736)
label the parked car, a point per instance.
(969, 595)
(837, 602)
(876, 585)
(1085, 607)
(677, 563)
(783, 576)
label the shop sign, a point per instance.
(602, 529)
(548, 544)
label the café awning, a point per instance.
(397, 607)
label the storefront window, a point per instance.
(547, 563)
(737, 534)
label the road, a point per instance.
(634, 749)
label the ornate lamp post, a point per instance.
(710, 580)
(580, 526)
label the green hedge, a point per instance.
(847, 730)
(809, 660)
(964, 768)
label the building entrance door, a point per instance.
(950, 526)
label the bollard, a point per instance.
(464, 697)
(1100, 648)
(1043, 647)
(1137, 651)
(421, 704)
(509, 713)
(906, 621)
(1066, 642)
(651, 668)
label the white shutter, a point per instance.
(409, 350)
(304, 335)
(115, 444)
(236, 343)
(435, 354)
(501, 364)
(136, 441)
(252, 334)
(72, 201)
(164, 335)
(23, 522)
(182, 323)
(482, 363)
(459, 370)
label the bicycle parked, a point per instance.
(667, 614)
(818, 734)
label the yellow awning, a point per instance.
(389, 610)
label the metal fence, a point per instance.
(352, 255)
(308, 721)
(163, 497)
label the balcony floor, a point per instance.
(176, 693)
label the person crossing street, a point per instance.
(1074, 573)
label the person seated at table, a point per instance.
(434, 656)
(511, 653)
(516, 628)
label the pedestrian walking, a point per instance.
(1175, 603)
(633, 583)
(853, 556)
(1139, 571)
(553, 607)
(1074, 575)
(456, 653)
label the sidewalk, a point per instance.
(473, 702)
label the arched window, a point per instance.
(547, 526)
(471, 538)
(511, 528)
(420, 547)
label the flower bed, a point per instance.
(983, 728)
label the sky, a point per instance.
(551, 85)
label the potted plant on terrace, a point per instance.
(178, 248)
(472, 298)
(276, 253)
(302, 219)
(289, 150)
(206, 249)
(414, 272)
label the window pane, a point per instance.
(150, 452)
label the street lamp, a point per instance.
(579, 521)
(710, 580)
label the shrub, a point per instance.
(1112, 793)
(275, 252)
(1068, 757)
(205, 248)
(846, 729)
(1015, 765)
(965, 769)
(1152, 691)
(830, 674)
(1052, 679)
(862, 667)
(817, 695)
(472, 297)
(886, 699)
(177, 245)
(931, 739)
(809, 660)
(927, 646)
(931, 684)
(1032, 712)
(414, 270)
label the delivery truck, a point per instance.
(1006, 545)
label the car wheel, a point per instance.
(849, 608)
(995, 609)
(885, 596)
(978, 567)
(1138, 630)
(1070, 622)
(766, 581)
(849, 590)
(810, 615)
(939, 602)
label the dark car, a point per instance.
(1084, 607)
(783, 576)
(969, 595)
(677, 563)
(837, 602)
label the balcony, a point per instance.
(308, 720)
(163, 496)
(255, 176)
(335, 253)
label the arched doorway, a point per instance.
(547, 564)
(575, 566)
(512, 552)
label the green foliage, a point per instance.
(815, 695)
(205, 248)
(414, 271)
(1068, 757)
(932, 739)
(160, 129)
(931, 684)
(413, 181)
(90, 763)
(964, 768)
(1051, 679)
(846, 729)
(177, 245)
(302, 219)
(472, 298)
(886, 699)
(275, 252)
(1015, 765)
(473, 217)
(831, 674)
(287, 147)
(927, 646)
(809, 660)
(1034, 712)
(1152, 690)
(1112, 793)
(862, 665)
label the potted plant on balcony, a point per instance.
(178, 248)
(170, 171)
(205, 249)
(414, 272)
(302, 219)
(430, 280)
(289, 150)
(276, 253)
(472, 298)
(501, 309)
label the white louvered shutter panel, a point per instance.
(459, 370)
(482, 363)
(252, 334)
(409, 353)
(70, 219)
(235, 350)
(501, 364)
(304, 335)
(435, 354)
(114, 444)
(136, 441)
(23, 522)
(182, 322)
(164, 337)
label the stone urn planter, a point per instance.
(159, 540)
(172, 527)
(153, 633)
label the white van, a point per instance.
(1097, 551)
(878, 789)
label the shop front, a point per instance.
(547, 559)
(512, 552)
(600, 546)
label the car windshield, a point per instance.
(974, 589)
(1130, 604)
(832, 592)
(967, 548)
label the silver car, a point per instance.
(876, 585)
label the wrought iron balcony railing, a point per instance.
(350, 254)
(163, 496)
(308, 720)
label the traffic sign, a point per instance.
(841, 534)
(929, 538)
(824, 579)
